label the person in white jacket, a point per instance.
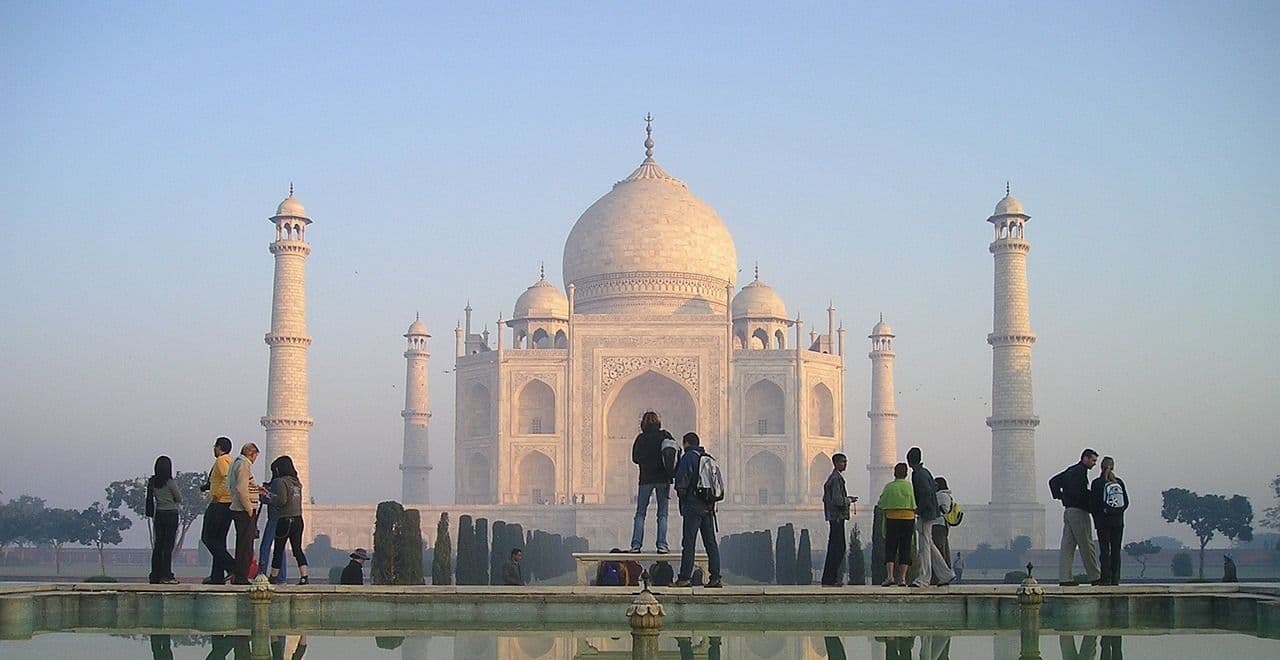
(945, 502)
(244, 508)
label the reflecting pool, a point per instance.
(673, 645)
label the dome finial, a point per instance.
(757, 271)
(648, 131)
(1007, 188)
(291, 189)
(542, 270)
(882, 317)
(417, 316)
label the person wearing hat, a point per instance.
(354, 572)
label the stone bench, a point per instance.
(586, 561)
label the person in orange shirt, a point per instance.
(217, 516)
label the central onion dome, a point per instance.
(650, 246)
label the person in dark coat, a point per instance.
(1109, 498)
(650, 451)
(1071, 487)
(353, 573)
(835, 508)
(512, 571)
(698, 516)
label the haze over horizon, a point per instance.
(444, 153)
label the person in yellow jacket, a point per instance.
(898, 502)
(217, 515)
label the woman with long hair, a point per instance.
(1108, 499)
(654, 450)
(163, 500)
(269, 529)
(286, 500)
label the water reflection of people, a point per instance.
(1088, 647)
(898, 648)
(221, 645)
(161, 647)
(1112, 648)
(280, 647)
(835, 648)
(685, 644)
(935, 647)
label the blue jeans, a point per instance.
(642, 507)
(264, 551)
(696, 523)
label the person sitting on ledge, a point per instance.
(354, 571)
(512, 571)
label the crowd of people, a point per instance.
(917, 506)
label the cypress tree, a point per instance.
(465, 568)
(877, 547)
(386, 543)
(857, 563)
(784, 571)
(409, 552)
(496, 541)
(442, 561)
(764, 553)
(478, 558)
(804, 560)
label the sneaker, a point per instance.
(902, 584)
(683, 582)
(663, 551)
(888, 582)
(918, 584)
(172, 580)
(303, 580)
(635, 550)
(715, 583)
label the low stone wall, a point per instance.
(31, 610)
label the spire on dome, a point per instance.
(757, 271)
(648, 140)
(542, 270)
(1007, 188)
(291, 189)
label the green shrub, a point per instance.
(1181, 565)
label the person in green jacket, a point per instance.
(898, 502)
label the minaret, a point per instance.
(417, 413)
(884, 411)
(287, 423)
(1013, 421)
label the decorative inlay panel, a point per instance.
(684, 369)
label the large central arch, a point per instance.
(647, 391)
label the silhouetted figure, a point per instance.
(161, 647)
(1111, 647)
(835, 648)
(1229, 569)
(1088, 647)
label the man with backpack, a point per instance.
(699, 486)
(932, 563)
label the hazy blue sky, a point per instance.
(854, 150)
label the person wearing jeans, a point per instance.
(698, 516)
(928, 557)
(654, 452)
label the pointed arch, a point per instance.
(535, 409)
(537, 479)
(648, 390)
(540, 339)
(819, 468)
(478, 487)
(779, 340)
(766, 479)
(822, 417)
(562, 340)
(479, 411)
(759, 340)
(763, 409)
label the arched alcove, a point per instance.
(479, 411)
(759, 340)
(763, 409)
(536, 409)
(562, 340)
(647, 391)
(478, 488)
(765, 479)
(537, 476)
(540, 339)
(819, 469)
(822, 419)
(779, 340)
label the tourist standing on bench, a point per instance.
(649, 450)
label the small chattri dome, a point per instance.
(292, 208)
(542, 300)
(417, 329)
(882, 329)
(1009, 205)
(758, 300)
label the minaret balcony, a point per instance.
(290, 246)
(1029, 422)
(280, 339)
(882, 414)
(1009, 245)
(416, 415)
(287, 423)
(1012, 339)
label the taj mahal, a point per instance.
(651, 316)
